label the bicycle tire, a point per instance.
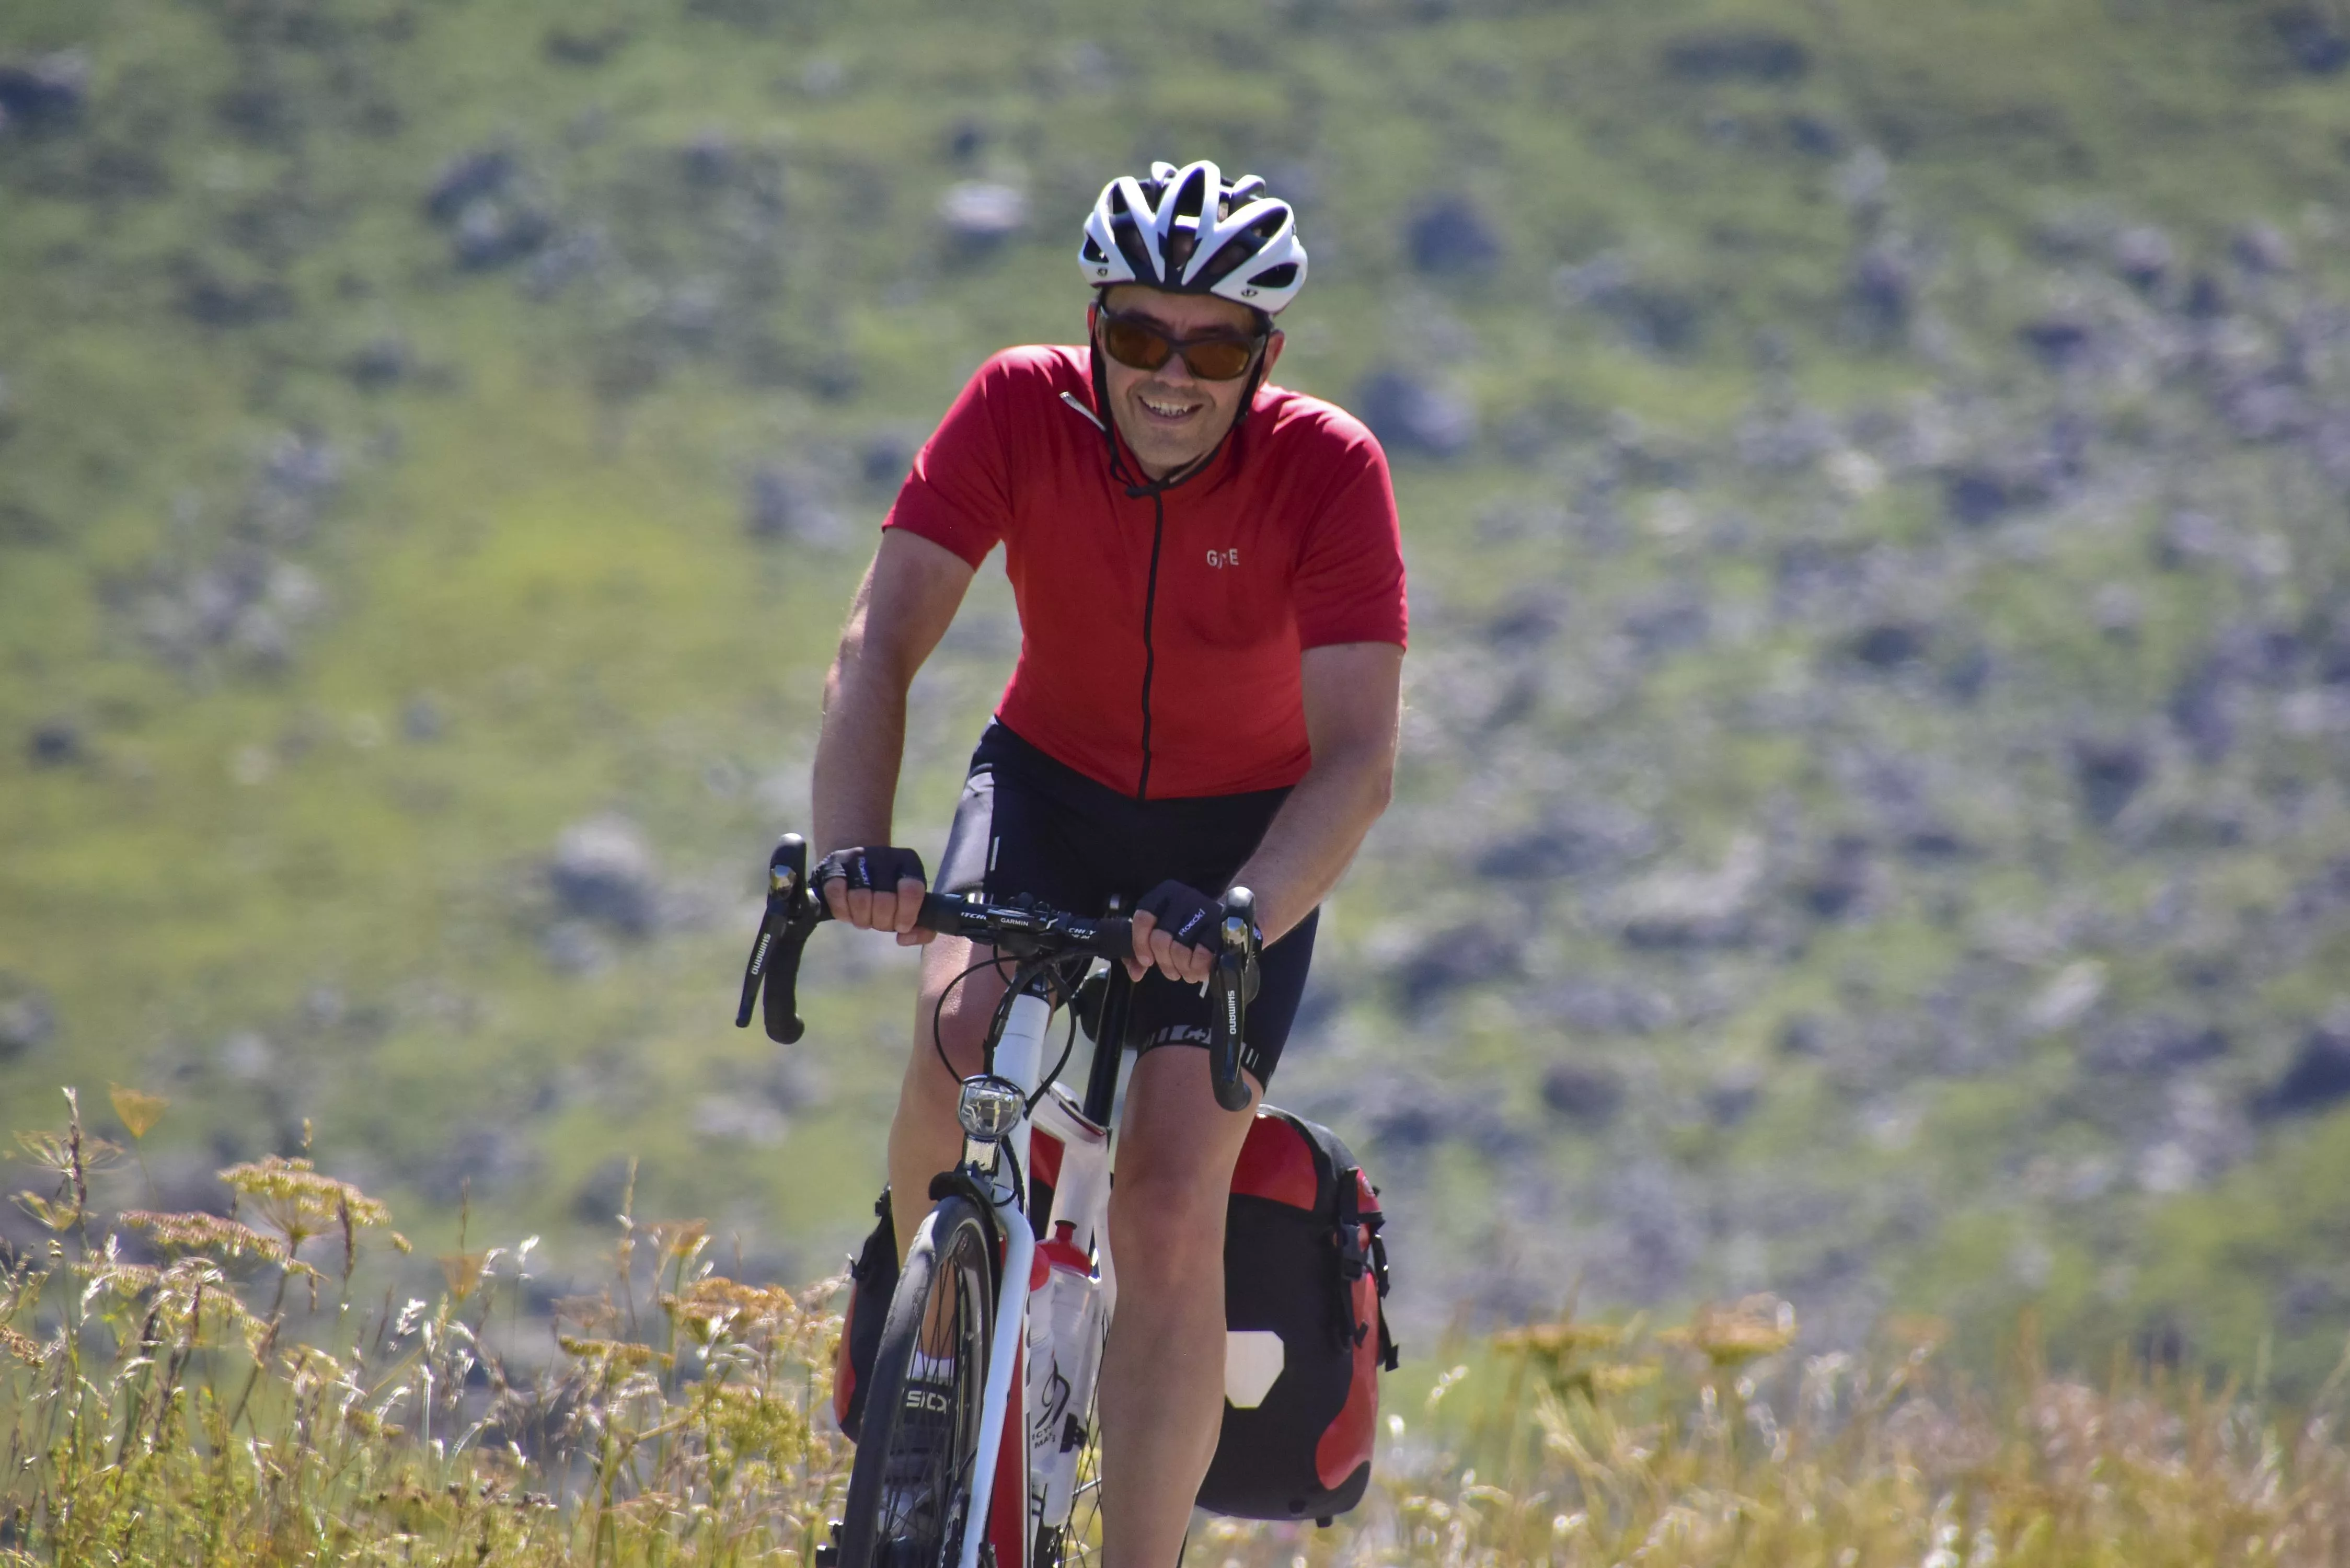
(909, 1489)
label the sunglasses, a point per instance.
(1141, 344)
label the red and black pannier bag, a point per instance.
(872, 1281)
(1304, 1273)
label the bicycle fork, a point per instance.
(1046, 1349)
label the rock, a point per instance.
(602, 871)
(1881, 292)
(491, 234)
(2067, 998)
(2315, 40)
(468, 178)
(1889, 645)
(2205, 300)
(1449, 237)
(2264, 408)
(980, 215)
(28, 1021)
(1670, 623)
(1980, 494)
(1736, 54)
(964, 140)
(2319, 1076)
(708, 160)
(1588, 840)
(2059, 342)
(1603, 1007)
(794, 503)
(2151, 1043)
(1584, 1093)
(1413, 416)
(1526, 625)
(1837, 885)
(420, 720)
(1452, 960)
(884, 458)
(584, 45)
(564, 261)
(2143, 257)
(380, 364)
(2261, 250)
(2202, 708)
(1732, 1094)
(1784, 440)
(55, 745)
(1684, 907)
(600, 1197)
(299, 477)
(1812, 136)
(2109, 772)
(46, 93)
(480, 1160)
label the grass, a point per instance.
(195, 1388)
(553, 554)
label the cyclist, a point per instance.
(1211, 587)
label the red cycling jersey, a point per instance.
(1286, 541)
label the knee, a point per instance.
(1166, 1232)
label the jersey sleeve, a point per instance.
(959, 494)
(1350, 579)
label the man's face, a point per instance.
(1169, 417)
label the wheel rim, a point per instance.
(934, 1441)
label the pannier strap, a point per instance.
(1360, 1249)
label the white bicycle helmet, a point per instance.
(1185, 231)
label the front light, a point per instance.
(990, 1108)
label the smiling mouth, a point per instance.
(1168, 410)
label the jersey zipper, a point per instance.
(1150, 650)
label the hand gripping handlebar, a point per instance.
(794, 909)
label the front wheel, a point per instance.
(910, 1489)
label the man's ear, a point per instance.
(1273, 349)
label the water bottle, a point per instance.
(1066, 1325)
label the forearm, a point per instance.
(858, 754)
(1314, 836)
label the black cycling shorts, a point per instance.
(1028, 824)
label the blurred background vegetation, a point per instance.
(1873, 823)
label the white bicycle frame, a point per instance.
(1081, 1199)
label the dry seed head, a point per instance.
(195, 1232)
(1553, 1340)
(1761, 1324)
(138, 1111)
(25, 1350)
(615, 1352)
(464, 1272)
(299, 1203)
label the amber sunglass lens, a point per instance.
(1135, 345)
(1220, 360)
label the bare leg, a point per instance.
(924, 1137)
(1162, 1381)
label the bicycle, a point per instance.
(963, 1359)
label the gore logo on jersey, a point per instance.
(1221, 558)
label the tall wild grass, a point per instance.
(206, 1389)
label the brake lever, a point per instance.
(1236, 983)
(772, 975)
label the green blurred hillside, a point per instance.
(1872, 824)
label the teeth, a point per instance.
(1165, 412)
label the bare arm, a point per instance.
(902, 608)
(1353, 695)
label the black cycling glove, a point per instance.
(1183, 912)
(878, 869)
